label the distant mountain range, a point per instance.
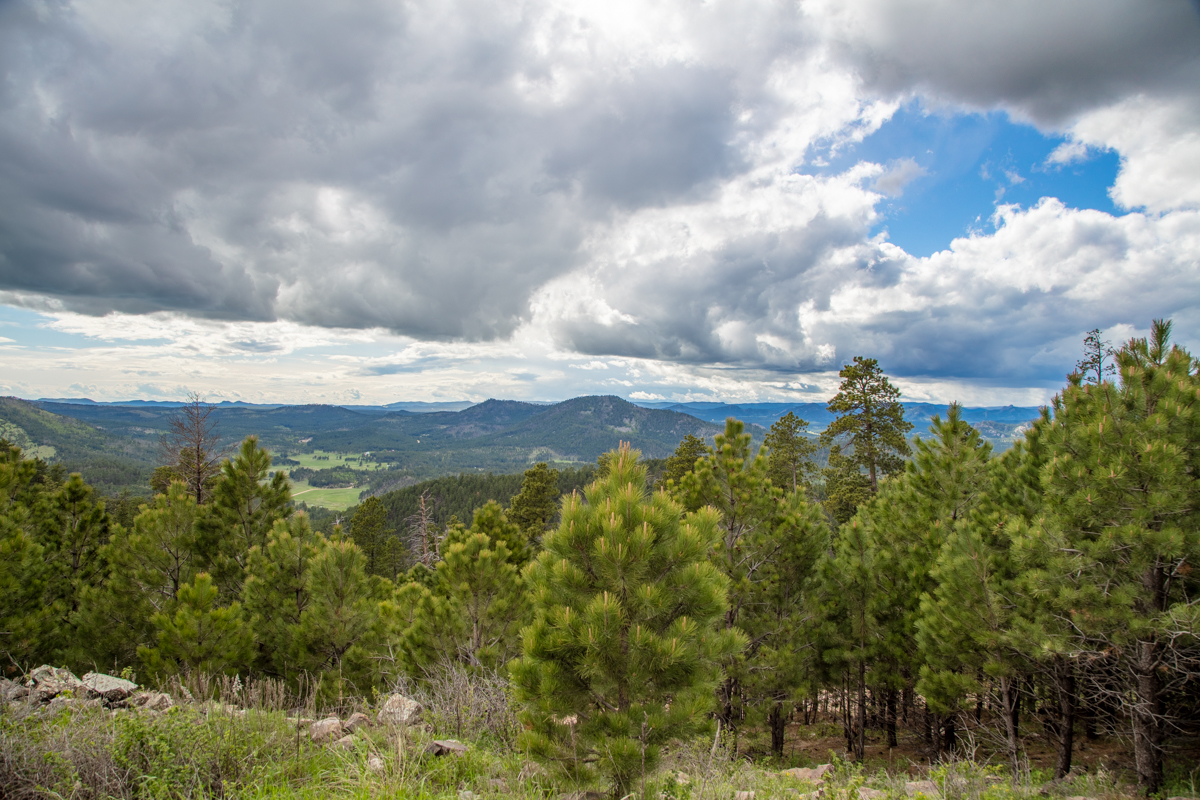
(114, 444)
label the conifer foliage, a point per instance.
(623, 651)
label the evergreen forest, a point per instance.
(886, 583)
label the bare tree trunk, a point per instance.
(860, 745)
(1066, 717)
(891, 717)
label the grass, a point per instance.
(333, 499)
(81, 751)
(320, 459)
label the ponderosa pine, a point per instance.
(623, 653)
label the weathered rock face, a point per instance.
(344, 743)
(47, 682)
(326, 729)
(399, 711)
(106, 687)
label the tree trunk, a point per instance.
(1147, 732)
(949, 735)
(778, 723)
(860, 741)
(1066, 717)
(891, 717)
(1009, 700)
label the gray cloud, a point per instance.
(429, 167)
(1050, 61)
(361, 165)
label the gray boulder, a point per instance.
(356, 721)
(399, 711)
(326, 729)
(107, 688)
(445, 747)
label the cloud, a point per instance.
(476, 191)
(900, 173)
(1048, 62)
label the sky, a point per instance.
(674, 200)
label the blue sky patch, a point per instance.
(946, 174)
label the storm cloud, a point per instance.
(622, 178)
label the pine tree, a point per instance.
(335, 634)
(479, 577)
(536, 505)
(682, 461)
(622, 654)
(790, 461)
(1122, 487)
(245, 502)
(23, 616)
(474, 604)
(778, 660)
(758, 529)
(200, 636)
(367, 528)
(276, 593)
(872, 418)
(846, 487)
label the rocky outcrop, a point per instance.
(47, 682)
(399, 711)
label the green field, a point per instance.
(319, 459)
(334, 499)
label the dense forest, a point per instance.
(917, 583)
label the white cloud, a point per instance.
(1159, 143)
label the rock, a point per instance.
(444, 747)
(330, 728)
(46, 682)
(152, 701)
(870, 794)
(816, 774)
(682, 778)
(399, 711)
(743, 796)
(463, 794)
(303, 722)
(927, 788)
(375, 765)
(106, 687)
(11, 691)
(582, 795)
(357, 721)
(344, 743)
(497, 785)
